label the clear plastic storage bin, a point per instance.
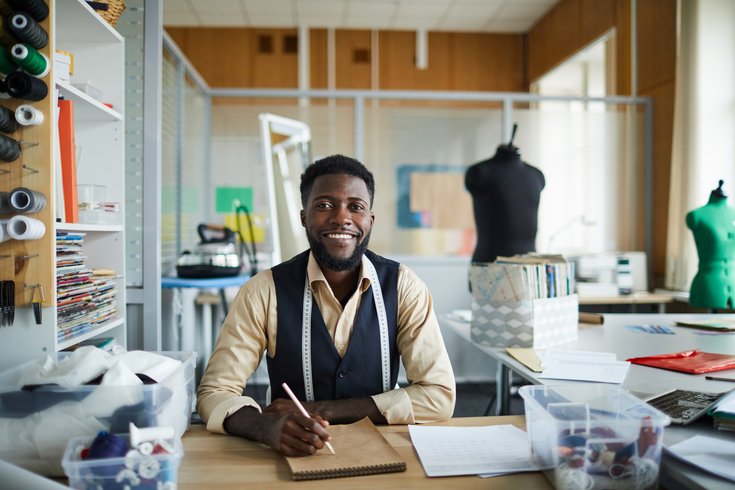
(594, 436)
(152, 472)
(37, 423)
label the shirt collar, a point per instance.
(315, 274)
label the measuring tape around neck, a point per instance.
(307, 308)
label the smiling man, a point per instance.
(335, 322)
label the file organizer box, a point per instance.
(41, 421)
(536, 323)
(153, 472)
(594, 436)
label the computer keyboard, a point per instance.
(684, 406)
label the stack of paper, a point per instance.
(486, 451)
(724, 412)
(709, 453)
(601, 367)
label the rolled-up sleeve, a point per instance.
(430, 395)
(240, 346)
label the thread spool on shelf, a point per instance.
(31, 60)
(38, 9)
(28, 30)
(8, 123)
(27, 115)
(24, 228)
(9, 149)
(24, 200)
(21, 85)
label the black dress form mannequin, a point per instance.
(505, 196)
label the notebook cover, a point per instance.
(360, 450)
(714, 324)
(691, 361)
(67, 153)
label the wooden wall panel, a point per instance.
(553, 38)
(656, 42)
(230, 57)
(318, 58)
(457, 61)
(622, 48)
(397, 68)
(353, 56)
(596, 18)
(569, 27)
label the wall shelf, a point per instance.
(99, 137)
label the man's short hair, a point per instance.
(335, 164)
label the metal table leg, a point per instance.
(502, 390)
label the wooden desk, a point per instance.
(640, 380)
(641, 298)
(214, 461)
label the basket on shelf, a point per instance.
(114, 9)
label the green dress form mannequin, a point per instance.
(713, 226)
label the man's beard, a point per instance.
(333, 263)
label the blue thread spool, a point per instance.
(107, 445)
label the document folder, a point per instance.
(690, 361)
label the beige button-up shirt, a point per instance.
(250, 330)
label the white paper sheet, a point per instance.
(585, 370)
(448, 451)
(549, 356)
(710, 454)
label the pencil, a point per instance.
(717, 378)
(303, 411)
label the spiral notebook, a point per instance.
(360, 450)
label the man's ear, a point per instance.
(303, 218)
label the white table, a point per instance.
(642, 381)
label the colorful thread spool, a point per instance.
(31, 60)
(106, 445)
(28, 30)
(7, 63)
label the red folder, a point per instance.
(67, 152)
(690, 361)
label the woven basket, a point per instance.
(114, 10)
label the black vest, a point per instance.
(359, 373)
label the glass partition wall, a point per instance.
(595, 154)
(594, 164)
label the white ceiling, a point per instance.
(500, 16)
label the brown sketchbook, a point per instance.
(361, 450)
(712, 324)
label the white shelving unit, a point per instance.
(99, 60)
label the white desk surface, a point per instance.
(612, 336)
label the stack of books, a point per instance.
(84, 299)
(535, 276)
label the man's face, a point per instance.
(338, 220)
